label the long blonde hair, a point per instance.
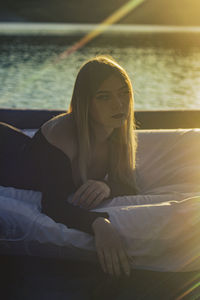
(122, 142)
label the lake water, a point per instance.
(162, 62)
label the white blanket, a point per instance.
(160, 227)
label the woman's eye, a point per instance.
(124, 93)
(103, 97)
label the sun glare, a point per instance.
(112, 19)
(193, 288)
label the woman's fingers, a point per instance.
(108, 241)
(112, 263)
(108, 262)
(89, 192)
(86, 194)
(90, 198)
(124, 261)
(95, 202)
(87, 199)
(116, 266)
(79, 192)
(101, 260)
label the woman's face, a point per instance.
(110, 104)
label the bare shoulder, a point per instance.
(60, 131)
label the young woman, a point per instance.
(89, 151)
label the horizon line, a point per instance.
(78, 28)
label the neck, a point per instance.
(100, 134)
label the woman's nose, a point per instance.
(118, 101)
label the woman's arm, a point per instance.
(55, 177)
(110, 248)
(91, 194)
(94, 192)
(56, 207)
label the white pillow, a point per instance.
(168, 161)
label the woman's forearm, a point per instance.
(70, 215)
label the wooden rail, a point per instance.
(163, 119)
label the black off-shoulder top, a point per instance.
(34, 163)
(53, 172)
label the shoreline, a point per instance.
(73, 29)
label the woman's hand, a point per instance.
(91, 194)
(110, 249)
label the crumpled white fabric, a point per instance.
(160, 227)
(162, 236)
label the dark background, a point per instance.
(164, 12)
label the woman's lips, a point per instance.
(118, 116)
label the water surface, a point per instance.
(162, 62)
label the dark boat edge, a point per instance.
(145, 119)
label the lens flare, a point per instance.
(113, 18)
(193, 288)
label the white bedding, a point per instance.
(160, 227)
